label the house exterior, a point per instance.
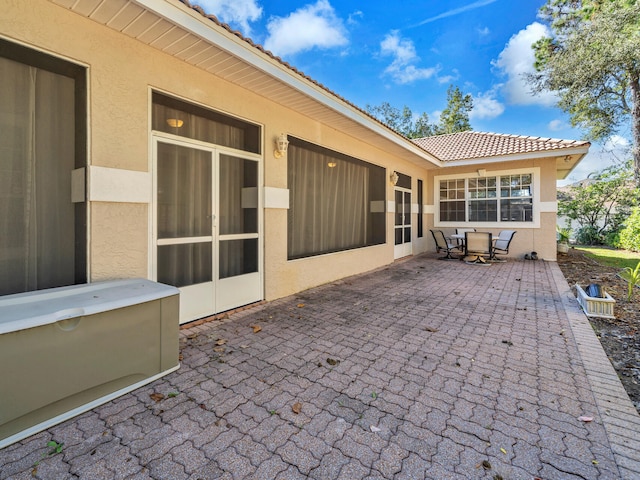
(145, 139)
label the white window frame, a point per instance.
(536, 206)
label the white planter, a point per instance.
(563, 248)
(596, 307)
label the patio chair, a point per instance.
(462, 231)
(501, 244)
(443, 243)
(476, 246)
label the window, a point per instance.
(171, 115)
(337, 202)
(452, 203)
(42, 140)
(420, 209)
(500, 198)
(516, 199)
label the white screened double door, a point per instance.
(207, 233)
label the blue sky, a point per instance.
(409, 52)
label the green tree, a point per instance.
(455, 117)
(630, 234)
(402, 121)
(601, 204)
(592, 61)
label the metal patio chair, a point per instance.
(443, 244)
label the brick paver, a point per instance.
(423, 369)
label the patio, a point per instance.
(423, 369)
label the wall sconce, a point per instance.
(567, 158)
(175, 122)
(482, 172)
(331, 164)
(393, 178)
(281, 146)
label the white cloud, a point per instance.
(556, 125)
(353, 17)
(483, 32)
(234, 12)
(449, 78)
(485, 106)
(312, 26)
(616, 142)
(402, 68)
(516, 60)
(457, 11)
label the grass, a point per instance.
(612, 257)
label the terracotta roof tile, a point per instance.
(471, 145)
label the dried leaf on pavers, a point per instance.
(219, 349)
(156, 396)
(486, 465)
(301, 305)
(585, 419)
(333, 361)
(595, 462)
(431, 329)
(296, 408)
(221, 341)
(503, 451)
(375, 429)
(256, 328)
(244, 346)
(180, 357)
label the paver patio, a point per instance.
(424, 369)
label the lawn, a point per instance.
(612, 257)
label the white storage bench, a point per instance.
(66, 350)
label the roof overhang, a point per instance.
(178, 30)
(566, 159)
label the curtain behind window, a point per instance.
(328, 205)
(37, 155)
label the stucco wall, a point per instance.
(121, 74)
(540, 239)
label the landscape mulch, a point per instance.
(620, 337)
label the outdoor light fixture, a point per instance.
(281, 146)
(394, 177)
(567, 158)
(482, 172)
(331, 164)
(175, 122)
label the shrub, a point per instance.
(630, 235)
(588, 235)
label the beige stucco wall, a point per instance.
(540, 239)
(121, 74)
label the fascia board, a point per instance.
(518, 156)
(204, 28)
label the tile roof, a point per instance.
(472, 145)
(457, 146)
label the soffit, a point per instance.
(184, 33)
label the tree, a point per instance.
(601, 204)
(455, 117)
(402, 121)
(592, 62)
